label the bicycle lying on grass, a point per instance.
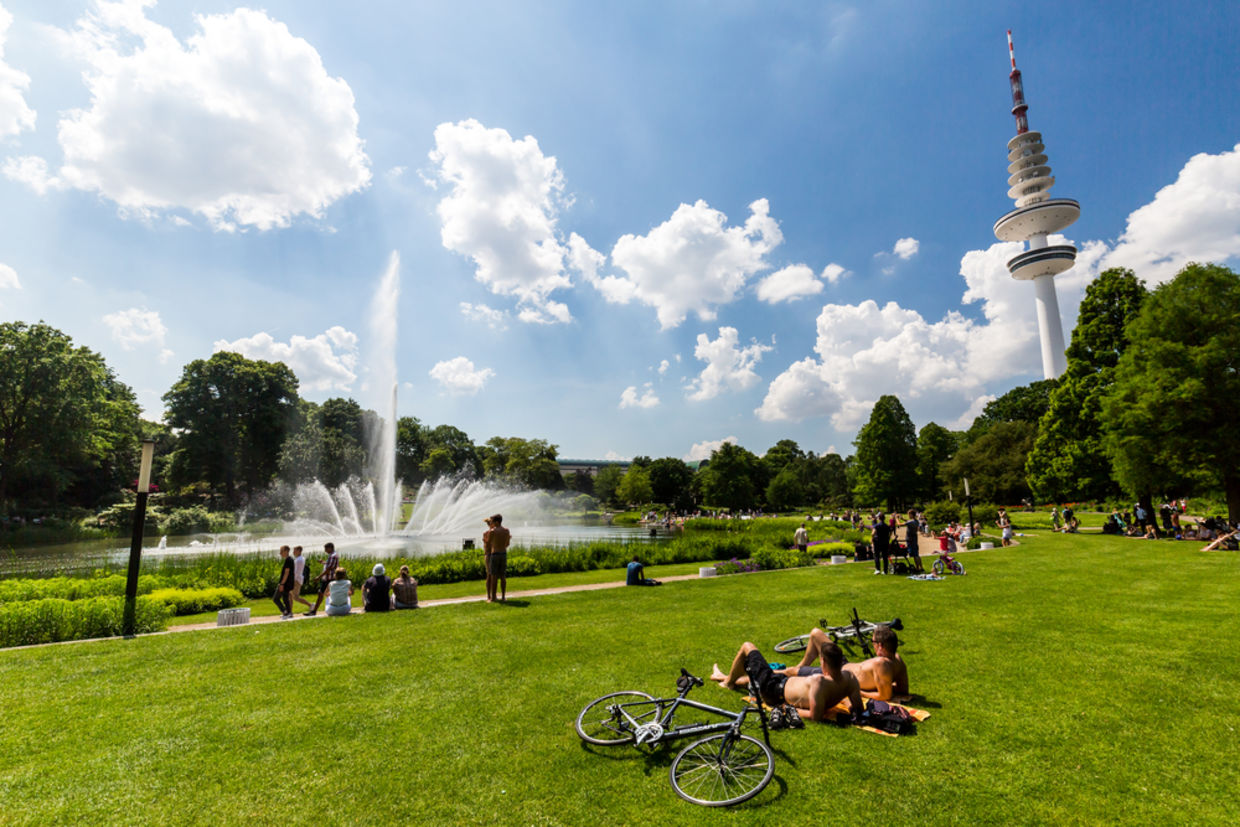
(722, 769)
(858, 632)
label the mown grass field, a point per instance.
(1074, 679)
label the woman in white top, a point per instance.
(338, 592)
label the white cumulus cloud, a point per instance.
(8, 278)
(459, 376)
(324, 362)
(703, 450)
(728, 366)
(489, 316)
(137, 328)
(241, 123)
(793, 282)
(906, 248)
(15, 114)
(501, 210)
(663, 366)
(629, 397)
(1196, 218)
(693, 262)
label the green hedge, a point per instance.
(195, 601)
(52, 620)
(19, 590)
(827, 549)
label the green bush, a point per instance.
(17, 590)
(197, 520)
(781, 558)
(522, 566)
(119, 519)
(51, 620)
(941, 513)
(828, 549)
(195, 601)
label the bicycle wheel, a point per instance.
(938, 567)
(792, 644)
(722, 769)
(957, 567)
(599, 724)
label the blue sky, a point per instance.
(639, 228)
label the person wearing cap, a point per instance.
(376, 591)
(495, 542)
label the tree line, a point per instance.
(1143, 409)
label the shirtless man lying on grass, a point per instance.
(881, 677)
(812, 696)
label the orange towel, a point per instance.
(842, 708)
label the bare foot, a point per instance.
(716, 674)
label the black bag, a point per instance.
(882, 715)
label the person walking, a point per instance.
(495, 554)
(801, 538)
(299, 578)
(281, 597)
(330, 563)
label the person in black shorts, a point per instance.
(813, 696)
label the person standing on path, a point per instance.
(801, 538)
(495, 542)
(910, 539)
(330, 563)
(281, 597)
(299, 578)
(880, 534)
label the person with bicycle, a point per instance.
(812, 696)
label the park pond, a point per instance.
(88, 555)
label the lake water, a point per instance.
(92, 554)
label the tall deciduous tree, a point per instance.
(935, 446)
(233, 414)
(527, 462)
(65, 420)
(1068, 460)
(886, 456)
(995, 463)
(1024, 403)
(734, 478)
(635, 486)
(669, 482)
(606, 483)
(1170, 416)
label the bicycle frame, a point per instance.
(668, 732)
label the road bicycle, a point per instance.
(858, 632)
(723, 768)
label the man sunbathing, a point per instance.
(812, 695)
(881, 677)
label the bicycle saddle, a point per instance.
(896, 625)
(686, 680)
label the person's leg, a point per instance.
(502, 576)
(732, 679)
(278, 599)
(318, 601)
(486, 561)
(816, 638)
(297, 595)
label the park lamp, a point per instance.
(129, 620)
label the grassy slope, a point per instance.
(1074, 679)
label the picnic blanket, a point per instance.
(926, 576)
(842, 708)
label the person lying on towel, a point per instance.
(881, 677)
(811, 695)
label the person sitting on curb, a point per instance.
(637, 575)
(812, 696)
(338, 603)
(404, 590)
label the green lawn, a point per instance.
(1075, 679)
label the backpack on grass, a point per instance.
(882, 715)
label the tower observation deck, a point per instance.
(1036, 216)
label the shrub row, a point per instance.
(17, 590)
(195, 601)
(52, 620)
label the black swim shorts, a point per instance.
(768, 684)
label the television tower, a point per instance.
(1036, 215)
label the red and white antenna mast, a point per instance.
(1019, 107)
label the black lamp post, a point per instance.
(129, 621)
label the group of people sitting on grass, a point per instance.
(380, 593)
(814, 690)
